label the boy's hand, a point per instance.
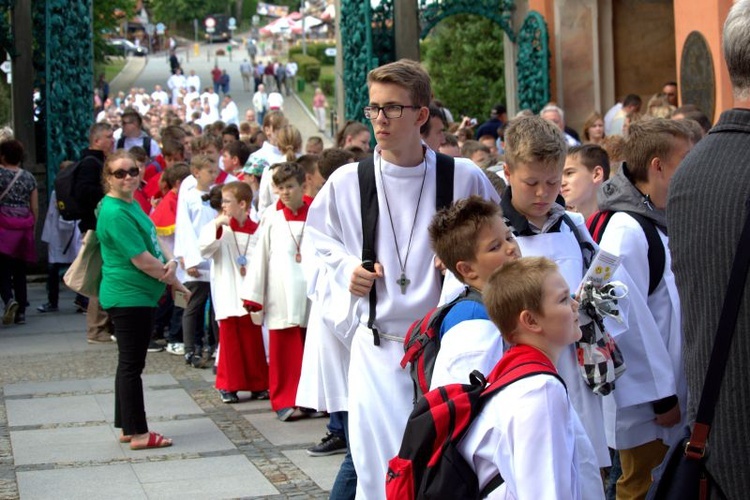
(193, 272)
(362, 280)
(670, 418)
(222, 220)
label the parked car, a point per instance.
(126, 47)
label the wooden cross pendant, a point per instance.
(403, 282)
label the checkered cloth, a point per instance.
(599, 359)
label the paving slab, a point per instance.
(214, 477)
(65, 445)
(159, 404)
(113, 482)
(190, 436)
(281, 433)
(54, 410)
(322, 470)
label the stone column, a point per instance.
(406, 15)
(23, 80)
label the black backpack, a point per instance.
(657, 257)
(67, 204)
(428, 464)
(368, 195)
(146, 144)
(422, 342)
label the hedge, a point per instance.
(327, 83)
(316, 50)
(308, 66)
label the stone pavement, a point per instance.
(152, 70)
(57, 438)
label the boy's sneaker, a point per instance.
(260, 395)
(229, 397)
(285, 413)
(176, 348)
(189, 358)
(199, 361)
(154, 347)
(47, 308)
(9, 315)
(20, 319)
(331, 444)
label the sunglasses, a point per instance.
(122, 173)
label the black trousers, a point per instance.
(13, 281)
(133, 327)
(193, 318)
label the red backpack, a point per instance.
(422, 342)
(429, 465)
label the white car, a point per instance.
(126, 47)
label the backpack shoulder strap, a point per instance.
(657, 257)
(597, 222)
(587, 249)
(120, 142)
(147, 145)
(444, 173)
(368, 194)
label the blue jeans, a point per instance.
(337, 424)
(345, 485)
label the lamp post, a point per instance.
(304, 36)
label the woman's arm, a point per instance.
(152, 266)
(34, 204)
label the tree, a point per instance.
(187, 10)
(464, 55)
(107, 17)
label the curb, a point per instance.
(130, 72)
(309, 114)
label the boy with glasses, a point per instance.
(406, 280)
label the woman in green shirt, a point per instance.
(134, 275)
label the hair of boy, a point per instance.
(132, 113)
(174, 174)
(240, 190)
(735, 40)
(650, 138)
(435, 112)
(173, 132)
(245, 129)
(274, 119)
(350, 129)
(97, 130)
(289, 142)
(309, 163)
(232, 130)
(239, 150)
(285, 171)
(454, 231)
(172, 149)
(471, 146)
(407, 74)
(693, 112)
(140, 154)
(696, 131)
(451, 140)
(333, 158)
(315, 140)
(201, 162)
(533, 139)
(497, 182)
(591, 156)
(632, 100)
(515, 287)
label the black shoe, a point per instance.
(331, 444)
(154, 347)
(260, 395)
(47, 308)
(189, 358)
(229, 397)
(200, 361)
(20, 319)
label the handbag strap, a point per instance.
(7, 189)
(696, 446)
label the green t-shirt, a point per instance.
(125, 231)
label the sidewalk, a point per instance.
(57, 438)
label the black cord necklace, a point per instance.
(402, 281)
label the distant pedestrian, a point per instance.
(224, 82)
(216, 77)
(246, 70)
(320, 104)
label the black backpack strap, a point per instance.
(494, 484)
(368, 194)
(587, 248)
(147, 145)
(444, 174)
(120, 142)
(657, 257)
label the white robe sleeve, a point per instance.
(254, 288)
(207, 241)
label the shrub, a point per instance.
(308, 67)
(328, 84)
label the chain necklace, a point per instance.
(298, 244)
(402, 281)
(241, 259)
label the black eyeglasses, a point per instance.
(121, 173)
(390, 111)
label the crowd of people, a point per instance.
(240, 245)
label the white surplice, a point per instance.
(380, 391)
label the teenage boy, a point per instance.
(234, 156)
(471, 239)
(406, 280)
(276, 286)
(192, 214)
(313, 180)
(586, 168)
(227, 242)
(535, 154)
(646, 413)
(529, 432)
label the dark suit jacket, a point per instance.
(88, 188)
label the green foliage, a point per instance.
(168, 11)
(106, 22)
(308, 67)
(464, 55)
(327, 83)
